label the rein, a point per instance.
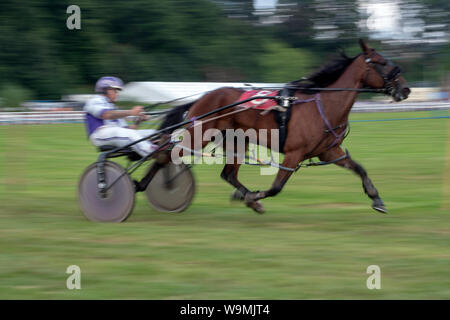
(154, 105)
(300, 88)
(151, 106)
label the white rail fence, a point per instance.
(40, 117)
(61, 117)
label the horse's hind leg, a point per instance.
(229, 174)
(291, 160)
(349, 163)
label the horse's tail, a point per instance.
(176, 115)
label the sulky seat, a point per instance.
(130, 153)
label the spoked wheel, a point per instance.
(171, 189)
(118, 202)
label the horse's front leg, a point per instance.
(349, 163)
(291, 160)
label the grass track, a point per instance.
(315, 241)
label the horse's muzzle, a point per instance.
(401, 94)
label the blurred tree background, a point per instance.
(209, 40)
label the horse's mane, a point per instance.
(327, 75)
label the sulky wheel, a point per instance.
(171, 189)
(118, 202)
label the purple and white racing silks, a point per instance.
(94, 108)
(113, 132)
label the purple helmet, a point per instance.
(108, 83)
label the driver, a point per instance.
(106, 124)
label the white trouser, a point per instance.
(119, 137)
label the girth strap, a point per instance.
(282, 117)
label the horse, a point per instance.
(317, 124)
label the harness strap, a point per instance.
(323, 163)
(283, 117)
(311, 163)
(329, 129)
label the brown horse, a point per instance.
(316, 128)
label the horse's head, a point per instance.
(383, 74)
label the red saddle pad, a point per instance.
(261, 104)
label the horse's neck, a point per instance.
(340, 103)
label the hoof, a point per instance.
(252, 202)
(381, 209)
(378, 205)
(256, 206)
(236, 195)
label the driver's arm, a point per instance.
(118, 114)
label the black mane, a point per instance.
(327, 75)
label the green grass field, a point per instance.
(315, 240)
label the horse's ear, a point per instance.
(364, 46)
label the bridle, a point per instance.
(388, 78)
(391, 77)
